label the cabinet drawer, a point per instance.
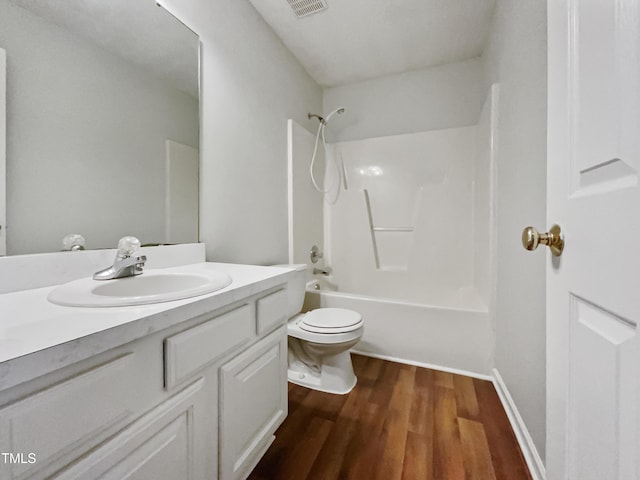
(67, 419)
(189, 351)
(271, 311)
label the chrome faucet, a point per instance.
(127, 262)
(322, 271)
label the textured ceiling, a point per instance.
(137, 30)
(356, 40)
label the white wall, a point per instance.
(433, 98)
(86, 139)
(516, 58)
(251, 85)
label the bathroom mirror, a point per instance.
(102, 123)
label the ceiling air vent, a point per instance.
(304, 8)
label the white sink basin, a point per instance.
(149, 287)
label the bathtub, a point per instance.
(443, 337)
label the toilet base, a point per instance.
(336, 374)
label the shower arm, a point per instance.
(312, 115)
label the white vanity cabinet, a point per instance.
(199, 400)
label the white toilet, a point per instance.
(319, 342)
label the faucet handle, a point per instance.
(127, 246)
(315, 254)
(127, 262)
(72, 242)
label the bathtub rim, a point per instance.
(394, 301)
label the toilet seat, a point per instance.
(331, 320)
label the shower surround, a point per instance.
(408, 237)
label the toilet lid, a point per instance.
(331, 320)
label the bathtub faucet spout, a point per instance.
(322, 271)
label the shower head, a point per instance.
(339, 111)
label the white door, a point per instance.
(593, 289)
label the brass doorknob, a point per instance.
(554, 239)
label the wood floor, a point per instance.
(400, 422)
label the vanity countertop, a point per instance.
(37, 337)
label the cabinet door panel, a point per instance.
(163, 444)
(253, 403)
(164, 455)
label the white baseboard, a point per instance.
(424, 365)
(529, 450)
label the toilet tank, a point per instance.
(296, 288)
